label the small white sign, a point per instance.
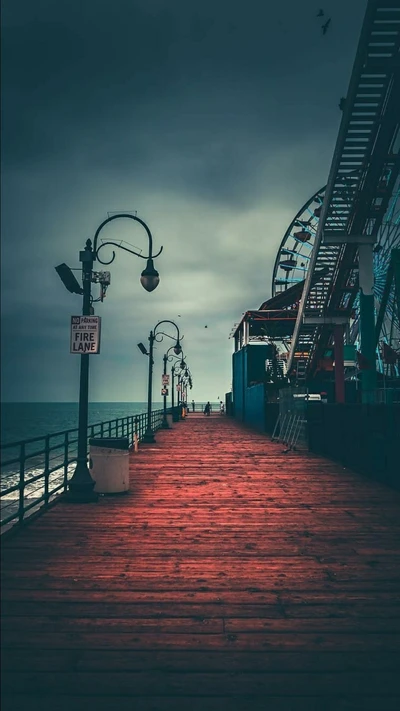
(165, 379)
(85, 334)
(164, 391)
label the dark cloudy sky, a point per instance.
(214, 120)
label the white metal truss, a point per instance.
(364, 169)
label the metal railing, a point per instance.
(35, 471)
(199, 406)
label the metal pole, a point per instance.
(179, 398)
(148, 436)
(339, 364)
(367, 322)
(81, 485)
(165, 425)
(175, 416)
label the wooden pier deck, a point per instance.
(232, 576)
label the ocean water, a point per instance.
(23, 420)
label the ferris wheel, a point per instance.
(294, 256)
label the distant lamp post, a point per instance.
(80, 487)
(175, 366)
(182, 371)
(175, 410)
(186, 379)
(148, 437)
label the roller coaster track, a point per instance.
(363, 174)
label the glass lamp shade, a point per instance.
(149, 277)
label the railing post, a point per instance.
(21, 483)
(46, 469)
(66, 460)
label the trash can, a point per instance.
(109, 464)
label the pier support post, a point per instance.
(367, 322)
(339, 363)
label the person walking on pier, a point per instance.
(207, 409)
(193, 405)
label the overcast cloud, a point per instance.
(215, 121)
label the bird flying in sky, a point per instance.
(321, 13)
(324, 27)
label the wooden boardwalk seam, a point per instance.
(230, 576)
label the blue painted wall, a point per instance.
(238, 384)
(255, 406)
(248, 386)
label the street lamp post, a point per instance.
(176, 369)
(148, 436)
(167, 357)
(175, 416)
(80, 487)
(184, 382)
(184, 379)
(165, 425)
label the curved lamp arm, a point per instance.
(115, 244)
(178, 340)
(96, 249)
(173, 357)
(166, 334)
(149, 277)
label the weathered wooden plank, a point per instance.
(178, 608)
(183, 703)
(200, 625)
(195, 661)
(271, 581)
(260, 641)
(203, 684)
(112, 625)
(301, 598)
